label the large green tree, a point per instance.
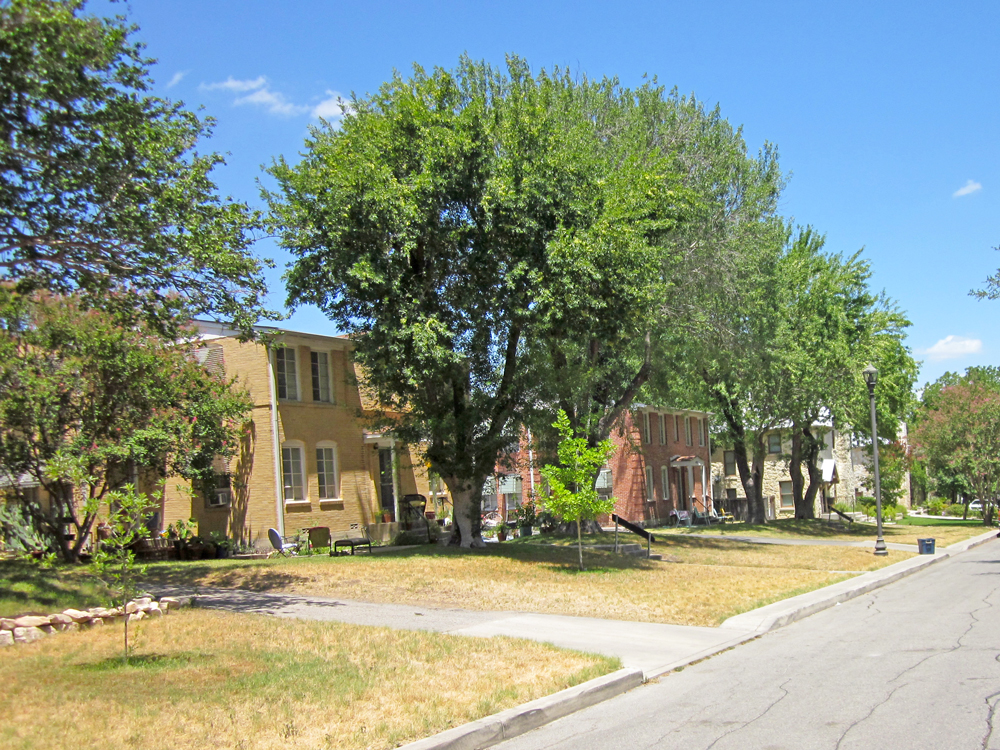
(785, 350)
(959, 434)
(833, 326)
(88, 404)
(101, 186)
(463, 225)
(614, 340)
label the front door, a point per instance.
(682, 488)
(386, 492)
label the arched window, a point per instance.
(327, 470)
(650, 487)
(665, 479)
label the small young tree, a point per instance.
(571, 483)
(114, 562)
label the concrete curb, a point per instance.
(787, 611)
(492, 730)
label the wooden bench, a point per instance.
(352, 542)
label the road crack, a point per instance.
(761, 715)
(867, 716)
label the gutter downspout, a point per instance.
(278, 494)
(531, 464)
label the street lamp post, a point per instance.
(871, 377)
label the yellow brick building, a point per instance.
(306, 457)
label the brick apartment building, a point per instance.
(306, 458)
(661, 463)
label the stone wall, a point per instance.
(29, 628)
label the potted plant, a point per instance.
(502, 530)
(526, 517)
(182, 533)
(223, 545)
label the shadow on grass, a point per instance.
(278, 574)
(146, 662)
(29, 588)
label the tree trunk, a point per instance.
(466, 500)
(752, 479)
(795, 471)
(811, 446)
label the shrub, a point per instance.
(936, 506)
(955, 509)
(843, 507)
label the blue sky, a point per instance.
(886, 115)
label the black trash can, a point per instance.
(926, 546)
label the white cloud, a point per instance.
(178, 76)
(273, 101)
(232, 84)
(329, 108)
(953, 347)
(969, 188)
(256, 92)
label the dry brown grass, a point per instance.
(945, 532)
(214, 679)
(708, 581)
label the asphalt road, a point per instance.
(915, 664)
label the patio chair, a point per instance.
(722, 517)
(319, 536)
(282, 547)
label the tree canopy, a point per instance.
(958, 433)
(101, 186)
(87, 405)
(463, 225)
(786, 351)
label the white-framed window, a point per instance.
(646, 436)
(327, 471)
(292, 472)
(774, 442)
(787, 496)
(650, 487)
(665, 481)
(702, 432)
(322, 385)
(687, 431)
(729, 462)
(286, 372)
(677, 429)
(663, 429)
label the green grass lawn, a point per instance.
(29, 588)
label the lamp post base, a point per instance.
(880, 548)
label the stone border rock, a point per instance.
(30, 628)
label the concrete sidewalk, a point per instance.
(652, 647)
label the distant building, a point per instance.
(661, 463)
(843, 464)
